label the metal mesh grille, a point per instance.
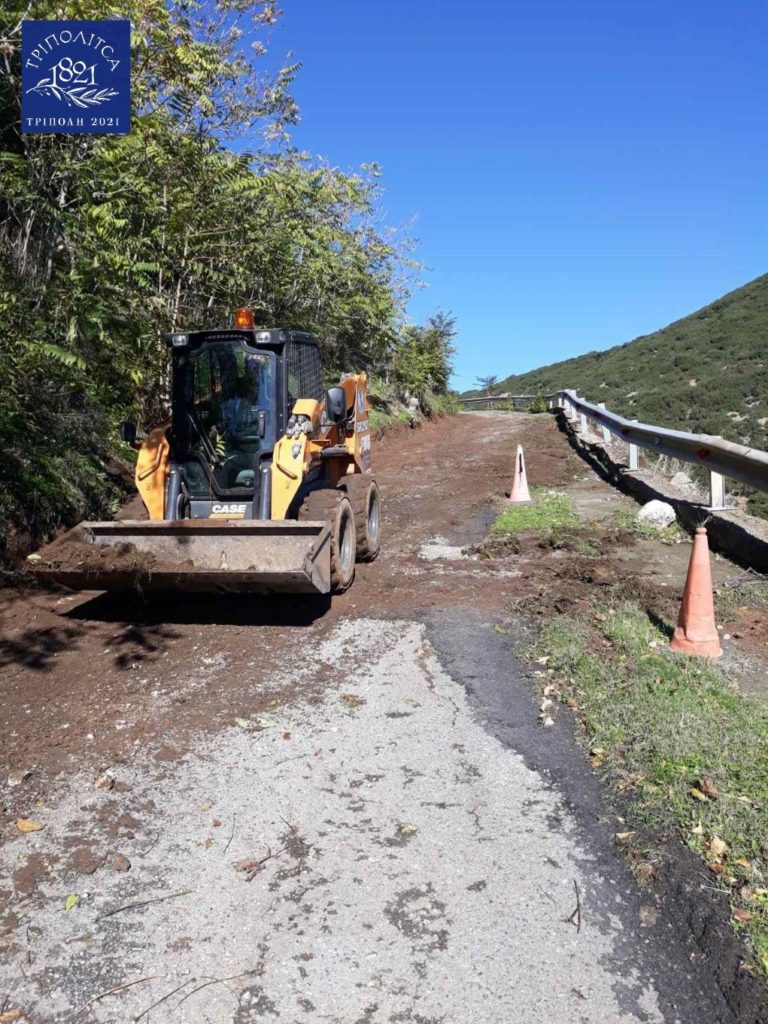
(305, 375)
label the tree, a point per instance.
(423, 357)
(487, 384)
(107, 242)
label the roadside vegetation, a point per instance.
(676, 737)
(706, 374)
(550, 511)
(551, 521)
(107, 242)
(687, 750)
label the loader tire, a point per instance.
(334, 508)
(363, 493)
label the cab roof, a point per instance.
(272, 337)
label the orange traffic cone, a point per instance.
(696, 632)
(519, 494)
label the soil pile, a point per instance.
(74, 552)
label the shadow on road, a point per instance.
(223, 610)
(36, 648)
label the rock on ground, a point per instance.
(657, 513)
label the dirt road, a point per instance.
(261, 810)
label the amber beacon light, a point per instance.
(243, 317)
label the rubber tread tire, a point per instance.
(330, 506)
(359, 489)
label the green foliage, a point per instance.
(706, 373)
(422, 359)
(538, 405)
(487, 384)
(106, 242)
(446, 404)
(663, 723)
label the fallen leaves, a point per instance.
(28, 825)
(718, 850)
(407, 828)
(645, 872)
(71, 901)
(708, 788)
(11, 1015)
(629, 781)
(739, 914)
(257, 724)
(544, 712)
(251, 866)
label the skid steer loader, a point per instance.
(260, 482)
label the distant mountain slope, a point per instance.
(706, 373)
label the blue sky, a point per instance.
(577, 173)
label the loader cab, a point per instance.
(232, 393)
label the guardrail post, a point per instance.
(606, 432)
(716, 490)
(633, 454)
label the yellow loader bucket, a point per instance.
(191, 555)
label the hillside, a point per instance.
(707, 373)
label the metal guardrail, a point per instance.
(720, 457)
(487, 401)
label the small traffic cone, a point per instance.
(519, 494)
(696, 632)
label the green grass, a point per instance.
(746, 592)
(668, 727)
(577, 542)
(550, 511)
(626, 519)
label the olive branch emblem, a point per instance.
(78, 96)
